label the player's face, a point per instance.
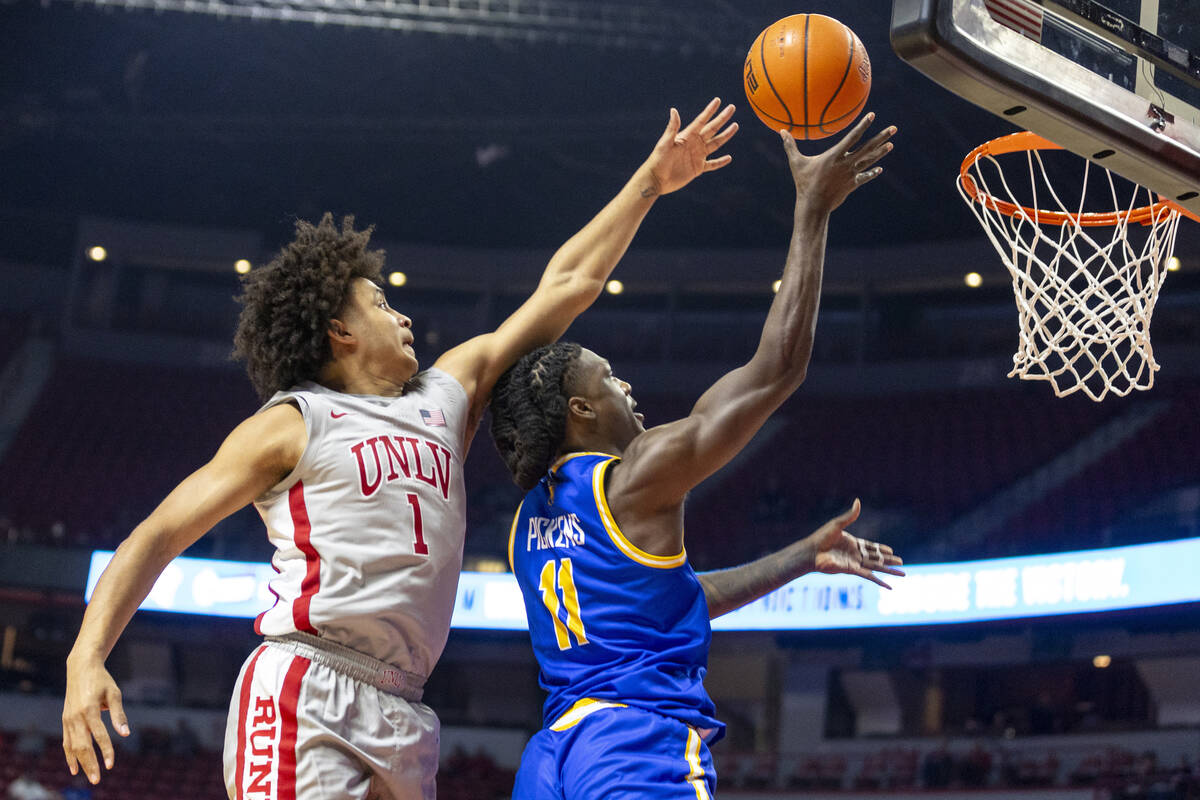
(384, 334)
(611, 398)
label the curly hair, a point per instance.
(287, 305)
(529, 410)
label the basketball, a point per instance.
(808, 73)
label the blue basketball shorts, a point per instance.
(609, 750)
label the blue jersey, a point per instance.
(607, 620)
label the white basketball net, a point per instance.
(1085, 290)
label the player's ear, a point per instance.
(338, 332)
(580, 407)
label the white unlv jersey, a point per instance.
(369, 527)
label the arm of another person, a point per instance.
(577, 272)
(259, 453)
(830, 549)
(663, 464)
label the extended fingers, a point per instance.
(888, 556)
(872, 151)
(100, 733)
(77, 745)
(879, 557)
(872, 577)
(704, 116)
(116, 711)
(672, 126)
(713, 135)
(851, 139)
(844, 520)
(718, 141)
(716, 163)
(789, 143)
(878, 140)
(68, 746)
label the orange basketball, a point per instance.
(808, 73)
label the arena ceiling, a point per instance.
(440, 138)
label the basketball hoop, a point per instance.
(1084, 297)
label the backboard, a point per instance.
(1117, 81)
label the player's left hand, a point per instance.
(824, 181)
(839, 553)
(681, 155)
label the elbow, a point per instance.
(791, 370)
(797, 356)
(573, 292)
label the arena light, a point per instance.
(1173, 264)
(241, 266)
(397, 278)
(614, 287)
(97, 253)
(1081, 582)
(775, 286)
(973, 279)
(1101, 661)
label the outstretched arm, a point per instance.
(830, 549)
(254, 457)
(576, 273)
(662, 465)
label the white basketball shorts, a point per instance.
(314, 721)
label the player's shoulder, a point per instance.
(438, 382)
(439, 398)
(299, 397)
(275, 438)
(645, 451)
(278, 419)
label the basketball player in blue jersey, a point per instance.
(618, 620)
(354, 463)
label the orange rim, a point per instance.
(1024, 141)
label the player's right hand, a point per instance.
(90, 690)
(824, 181)
(682, 154)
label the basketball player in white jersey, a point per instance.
(355, 464)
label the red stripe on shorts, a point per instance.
(312, 574)
(287, 719)
(243, 708)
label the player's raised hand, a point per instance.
(840, 553)
(682, 154)
(90, 690)
(825, 180)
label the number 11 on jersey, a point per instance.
(553, 576)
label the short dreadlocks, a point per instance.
(287, 305)
(529, 410)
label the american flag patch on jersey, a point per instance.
(434, 417)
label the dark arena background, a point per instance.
(184, 138)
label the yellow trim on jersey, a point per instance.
(696, 772)
(573, 715)
(610, 524)
(512, 536)
(564, 459)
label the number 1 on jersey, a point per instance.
(419, 546)
(564, 576)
